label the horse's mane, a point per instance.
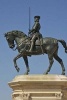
(19, 32)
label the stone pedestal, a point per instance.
(39, 87)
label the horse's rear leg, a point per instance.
(50, 56)
(61, 63)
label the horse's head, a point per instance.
(16, 36)
(10, 39)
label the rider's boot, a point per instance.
(31, 48)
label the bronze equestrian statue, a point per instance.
(23, 43)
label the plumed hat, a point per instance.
(37, 17)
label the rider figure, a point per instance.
(34, 32)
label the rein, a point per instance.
(21, 43)
(14, 49)
(24, 40)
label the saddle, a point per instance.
(39, 42)
(39, 39)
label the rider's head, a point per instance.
(36, 18)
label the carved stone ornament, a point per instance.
(58, 95)
(24, 96)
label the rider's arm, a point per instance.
(34, 28)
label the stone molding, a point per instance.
(39, 87)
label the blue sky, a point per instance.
(14, 15)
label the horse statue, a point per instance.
(23, 42)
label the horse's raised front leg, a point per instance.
(26, 63)
(15, 63)
(25, 60)
(50, 63)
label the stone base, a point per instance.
(39, 87)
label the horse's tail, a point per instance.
(64, 44)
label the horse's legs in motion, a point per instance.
(50, 56)
(61, 63)
(15, 64)
(26, 63)
(25, 60)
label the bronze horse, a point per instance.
(49, 46)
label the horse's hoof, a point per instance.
(45, 73)
(26, 73)
(63, 73)
(18, 69)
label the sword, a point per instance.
(29, 21)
